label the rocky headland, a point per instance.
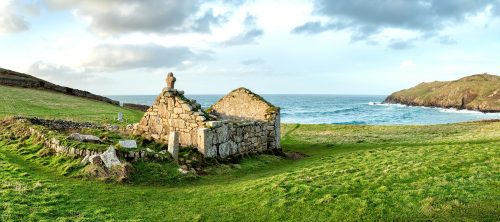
(479, 92)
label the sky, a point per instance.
(127, 47)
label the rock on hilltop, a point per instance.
(477, 92)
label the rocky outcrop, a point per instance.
(12, 78)
(477, 92)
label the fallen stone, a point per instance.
(109, 157)
(84, 138)
(129, 144)
(85, 160)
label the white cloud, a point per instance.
(109, 57)
(11, 21)
(152, 16)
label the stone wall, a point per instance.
(139, 107)
(171, 111)
(243, 105)
(222, 139)
(56, 145)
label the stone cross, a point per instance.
(170, 80)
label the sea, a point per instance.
(343, 109)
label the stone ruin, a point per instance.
(241, 122)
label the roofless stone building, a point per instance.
(240, 122)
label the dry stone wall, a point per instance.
(223, 139)
(243, 105)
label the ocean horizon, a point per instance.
(341, 109)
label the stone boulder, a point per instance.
(109, 157)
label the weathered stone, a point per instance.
(173, 145)
(170, 81)
(128, 144)
(200, 118)
(224, 150)
(82, 138)
(186, 107)
(205, 137)
(109, 157)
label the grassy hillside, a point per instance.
(46, 104)
(16, 79)
(476, 92)
(393, 173)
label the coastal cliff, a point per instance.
(479, 92)
(16, 79)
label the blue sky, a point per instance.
(270, 46)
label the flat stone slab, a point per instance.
(129, 144)
(84, 138)
(109, 158)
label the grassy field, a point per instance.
(51, 105)
(447, 172)
(391, 173)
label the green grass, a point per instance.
(445, 172)
(51, 105)
(391, 173)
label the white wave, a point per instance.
(386, 104)
(464, 111)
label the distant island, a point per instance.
(479, 92)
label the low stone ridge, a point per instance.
(241, 122)
(16, 79)
(479, 92)
(84, 138)
(61, 124)
(139, 107)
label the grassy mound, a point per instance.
(476, 92)
(51, 105)
(440, 172)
